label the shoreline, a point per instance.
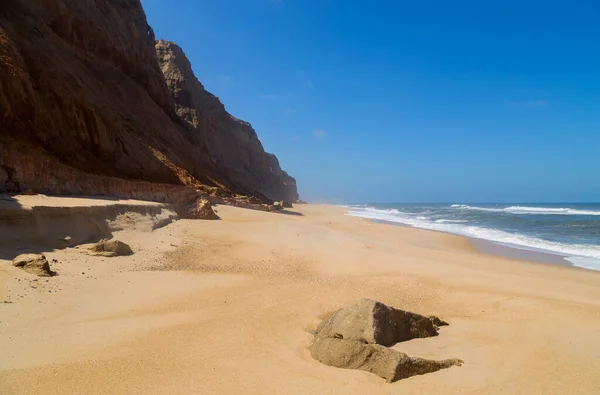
(228, 306)
(498, 249)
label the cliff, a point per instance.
(85, 108)
(231, 143)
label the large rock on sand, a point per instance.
(356, 338)
(373, 322)
(110, 248)
(34, 264)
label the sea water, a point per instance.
(568, 230)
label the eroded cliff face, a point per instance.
(231, 143)
(84, 107)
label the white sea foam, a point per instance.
(582, 255)
(529, 210)
(452, 221)
(584, 262)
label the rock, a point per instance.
(437, 322)
(277, 206)
(200, 209)
(356, 337)
(382, 361)
(287, 204)
(110, 248)
(34, 264)
(102, 116)
(373, 322)
(66, 241)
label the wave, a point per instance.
(373, 209)
(529, 210)
(454, 221)
(583, 255)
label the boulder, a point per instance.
(34, 264)
(287, 204)
(200, 209)
(277, 206)
(373, 322)
(110, 248)
(382, 361)
(358, 336)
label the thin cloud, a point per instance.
(527, 103)
(319, 134)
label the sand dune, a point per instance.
(227, 307)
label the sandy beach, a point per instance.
(221, 307)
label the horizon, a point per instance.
(486, 203)
(407, 102)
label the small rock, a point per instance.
(199, 209)
(110, 248)
(34, 264)
(66, 242)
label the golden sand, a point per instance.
(226, 307)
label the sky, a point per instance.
(407, 101)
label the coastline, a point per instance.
(227, 306)
(489, 247)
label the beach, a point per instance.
(228, 306)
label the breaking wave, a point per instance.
(583, 255)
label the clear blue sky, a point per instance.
(408, 101)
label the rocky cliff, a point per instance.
(232, 144)
(85, 108)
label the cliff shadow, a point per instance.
(288, 212)
(40, 229)
(8, 202)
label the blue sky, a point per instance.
(408, 101)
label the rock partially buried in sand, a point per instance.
(382, 361)
(200, 209)
(110, 248)
(355, 338)
(34, 264)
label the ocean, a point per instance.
(571, 231)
